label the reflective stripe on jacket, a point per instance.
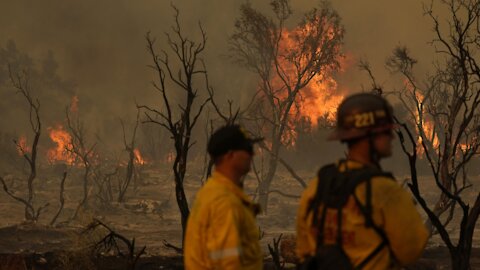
(221, 231)
(393, 211)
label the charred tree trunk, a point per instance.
(20, 82)
(82, 153)
(130, 148)
(179, 124)
(265, 183)
(61, 199)
(180, 169)
(461, 252)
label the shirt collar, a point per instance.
(343, 164)
(235, 189)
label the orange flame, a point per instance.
(427, 125)
(464, 148)
(22, 146)
(138, 157)
(319, 99)
(63, 150)
(430, 134)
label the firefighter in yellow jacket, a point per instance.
(221, 231)
(374, 224)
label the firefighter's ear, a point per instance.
(230, 153)
(227, 156)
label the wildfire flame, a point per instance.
(320, 100)
(317, 100)
(464, 148)
(138, 157)
(62, 152)
(428, 126)
(22, 146)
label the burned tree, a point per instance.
(180, 124)
(61, 199)
(285, 62)
(446, 122)
(21, 82)
(131, 170)
(82, 153)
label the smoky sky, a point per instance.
(100, 46)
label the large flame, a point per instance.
(319, 99)
(62, 152)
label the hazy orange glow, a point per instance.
(62, 152)
(74, 104)
(170, 157)
(22, 146)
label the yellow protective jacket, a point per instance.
(221, 231)
(393, 211)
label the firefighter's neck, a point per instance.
(230, 173)
(360, 152)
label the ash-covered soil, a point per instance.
(150, 215)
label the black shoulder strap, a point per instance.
(330, 180)
(367, 175)
(327, 175)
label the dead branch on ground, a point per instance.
(275, 253)
(171, 246)
(110, 242)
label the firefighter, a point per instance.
(221, 231)
(354, 215)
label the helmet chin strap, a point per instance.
(374, 157)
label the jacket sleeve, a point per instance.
(223, 242)
(403, 225)
(305, 245)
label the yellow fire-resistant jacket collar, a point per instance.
(221, 231)
(393, 211)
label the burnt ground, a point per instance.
(149, 215)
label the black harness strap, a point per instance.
(333, 190)
(321, 193)
(380, 232)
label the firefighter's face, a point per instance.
(383, 143)
(242, 161)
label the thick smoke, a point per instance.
(100, 50)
